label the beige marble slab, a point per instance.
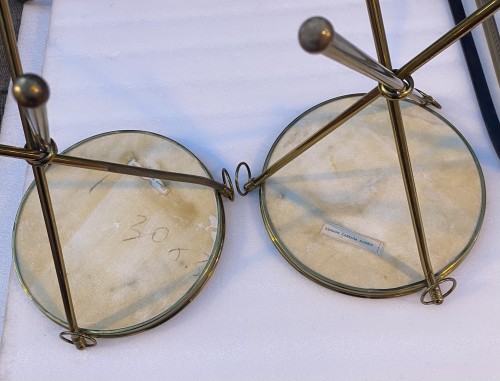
(352, 179)
(133, 248)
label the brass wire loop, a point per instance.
(435, 292)
(249, 186)
(79, 339)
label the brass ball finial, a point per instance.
(316, 34)
(30, 90)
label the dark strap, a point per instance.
(479, 82)
(16, 9)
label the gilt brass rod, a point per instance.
(412, 198)
(322, 133)
(449, 38)
(378, 31)
(317, 36)
(97, 165)
(15, 68)
(426, 55)
(379, 36)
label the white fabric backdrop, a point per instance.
(224, 78)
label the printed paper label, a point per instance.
(343, 234)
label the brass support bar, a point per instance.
(379, 36)
(412, 198)
(378, 31)
(426, 55)
(317, 36)
(454, 34)
(14, 63)
(20, 153)
(104, 166)
(323, 132)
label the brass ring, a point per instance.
(395, 95)
(245, 191)
(48, 156)
(228, 185)
(432, 287)
(87, 339)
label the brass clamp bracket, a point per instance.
(394, 94)
(428, 99)
(47, 155)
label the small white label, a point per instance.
(345, 235)
(158, 184)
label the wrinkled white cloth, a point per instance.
(224, 78)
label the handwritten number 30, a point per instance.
(158, 235)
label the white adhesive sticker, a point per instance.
(343, 234)
(213, 226)
(158, 184)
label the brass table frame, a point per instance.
(393, 96)
(38, 156)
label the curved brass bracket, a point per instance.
(228, 185)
